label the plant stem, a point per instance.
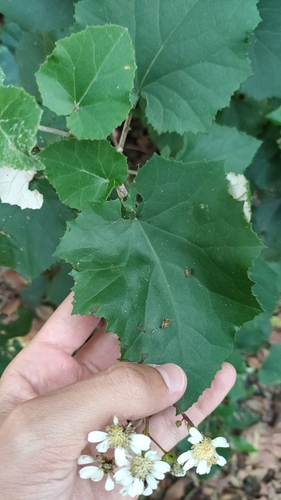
(125, 131)
(55, 131)
(157, 444)
(184, 416)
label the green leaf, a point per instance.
(32, 236)
(254, 334)
(264, 172)
(9, 65)
(9, 345)
(267, 224)
(242, 445)
(275, 116)
(60, 285)
(245, 114)
(83, 171)
(35, 16)
(270, 372)
(221, 143)
(267, 286)
(88, 78)
(37, 46)
(265, 53)
(19, 121)
(190, 55)
(17, 328)
(171, 279)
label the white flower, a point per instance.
(141, 474)
(203, 453)
(247, 210)
(237, 186)
(105, 466)
(238, 190)
(121, 439)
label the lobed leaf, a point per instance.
(191, 55)
(171, 276)
(83, 171)
(88, 78)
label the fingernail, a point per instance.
(173, 375)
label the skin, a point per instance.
(50, 400)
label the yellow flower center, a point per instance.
(140, 467)
(205, 451)
(117, 436)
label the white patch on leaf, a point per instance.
(14, 188)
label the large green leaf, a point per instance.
(30, 237)
(83, 171)
(42, 15)
(191, 55)
(19, 120)
(236, 148)
(171, 277)
(88, 78)
(265, 53)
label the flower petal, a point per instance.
(152, 455)
(121, 474)
(103, 446)
(96, 436)
(151, 481)
(196, 436)
(158, 475)
(190, 463)
(161, 466)
(87, 472)
(109, 483)
(120, 456)
(141, 441)
(85, 459)
(147, 491)
(138, 486)
(202, 467)
(124, 491)
(184, 456)
(221, 460)
(98, 475)
(220, 442)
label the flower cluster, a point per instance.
(139, 468)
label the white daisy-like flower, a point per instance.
(238, 190)
(106, 467)
(203, 452)
(141, 474)
(121, 439)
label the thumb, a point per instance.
(128, 390)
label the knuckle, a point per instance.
(131, 382)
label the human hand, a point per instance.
(50, 401)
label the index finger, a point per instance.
(65, 331)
